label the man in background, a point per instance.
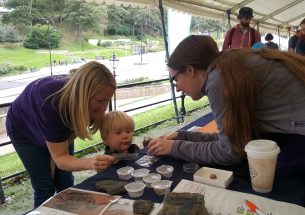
(292, 42)
(300, 46)
(242, 35)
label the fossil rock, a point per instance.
(146, 141)
(141, 206)
(183, 204)
(213, 176)
(112, 187)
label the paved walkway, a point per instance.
(153, 67)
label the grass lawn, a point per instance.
(20, 56)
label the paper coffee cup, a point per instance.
(262, 158)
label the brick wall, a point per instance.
(126, 93)
(2, 119)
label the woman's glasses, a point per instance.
(173, 79)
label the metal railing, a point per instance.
(178, 116)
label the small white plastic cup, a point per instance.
(139, 174)
(262, 157)
(165, 170)
(124, 173)
(151, 178)
(162, 187)
(135, 189)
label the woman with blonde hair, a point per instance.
(44, 120)
(252, 93)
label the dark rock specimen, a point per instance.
(213, 176)
(141, 206)
(146, 141)
(112, 187)
(183, 204)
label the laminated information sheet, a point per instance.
(76, 201)
(224, 202)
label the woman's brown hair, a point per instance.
(239, 83)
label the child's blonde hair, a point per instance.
(116, 119)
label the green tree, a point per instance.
(39, 37)
(116, 17)
(132, 21)
(101, 19)
(27, 13)
(19, 17)
(80, 15)
(58, 9)
(200, 24)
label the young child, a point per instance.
(117, 133)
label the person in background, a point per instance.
(117, 133)
(242, 35)
(259, 45)
(270, 45)
(44, 120)
(249, 98)
(300, 46)
(292, 42)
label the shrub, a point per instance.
(106, 44)
(119, 43)
(39, 37)
(111, 30)
(7, 69)
(140, 37)
(134, 80)
(9, 35)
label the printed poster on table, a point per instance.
(227, 202)
(76, 201)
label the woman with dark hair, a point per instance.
(300, 45)
(252, 93)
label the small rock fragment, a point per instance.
(146, 141)
(112, 187)
(213, 176)
(141, 206)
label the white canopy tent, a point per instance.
(275, 16)
(271, 15)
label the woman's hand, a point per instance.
(159, 146)
(170, 136)
(102, 162)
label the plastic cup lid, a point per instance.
(134, 186)
(262, 148)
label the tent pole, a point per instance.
(163, 28)
(229, 19)
(161, 9)
(278, 33)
